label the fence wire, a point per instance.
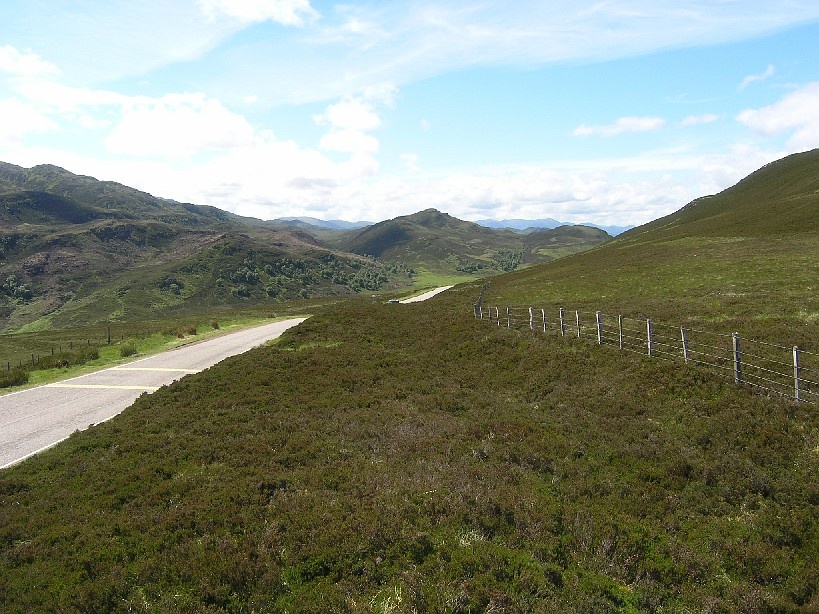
(787, 371)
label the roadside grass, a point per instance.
(134, 336)
(415, 459)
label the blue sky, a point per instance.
(604, 111)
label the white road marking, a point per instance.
(102, 387)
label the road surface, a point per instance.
(35, 419)
(425, 295)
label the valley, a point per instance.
(384, 457)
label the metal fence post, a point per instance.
(684, 344)
(531, 319)
(796, 369)
(649, 338)
(543, 313)
(562, 323)
(577, 317)
(508, 317)
(737, 358)
(620, 326)
(599, 328)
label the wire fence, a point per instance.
(787, 371)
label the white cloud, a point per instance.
(178, 126)
(19, 119)
(349, 141)
(621, 126)
(696, 120)
(26, 64)
(351, 113)
(769, 72)
(798, 111)
(285, 12)
(352, 119)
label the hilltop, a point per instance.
(439, 242)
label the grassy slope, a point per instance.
(744, 260)
(411, 451)
(409, 457)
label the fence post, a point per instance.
(620, 326)
(531, 319)
(543, 313)
(562, 323)
(599, 328)
(649, 338)
(508, 318)
(684, 344)
(796, 370)
(497, 315)
(737, 358)
(577, 317)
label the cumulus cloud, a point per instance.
(285, 12)
(696, 120)
(769, 72)
(26, 64)
(20, 119)
(351, 113)
(178, 126)
(621, 126)
(351, 120)
(798, 112)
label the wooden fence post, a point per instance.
(649, 338)
(737, 358)
(508, 318)
(531, 319)
(562, 323)
(599, 328)
(577, 317)
(620, 326)
(796, 369)
(684, 344)
(543, 313)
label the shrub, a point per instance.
(128, 349)
(214, 325)
(15, 377)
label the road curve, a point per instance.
(35, 419)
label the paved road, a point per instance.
(35, 419)
(425, 295)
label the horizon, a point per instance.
(613, 115)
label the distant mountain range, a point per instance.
(520, 225)
(530, 225)
(75, 250)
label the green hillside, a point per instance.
(76, 251)
(435, 241)
(409, 458)
(744, 260)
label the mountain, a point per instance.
(441, 243)
(312, 222)
(75, 250)
(531, 225)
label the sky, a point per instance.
(614, 112)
